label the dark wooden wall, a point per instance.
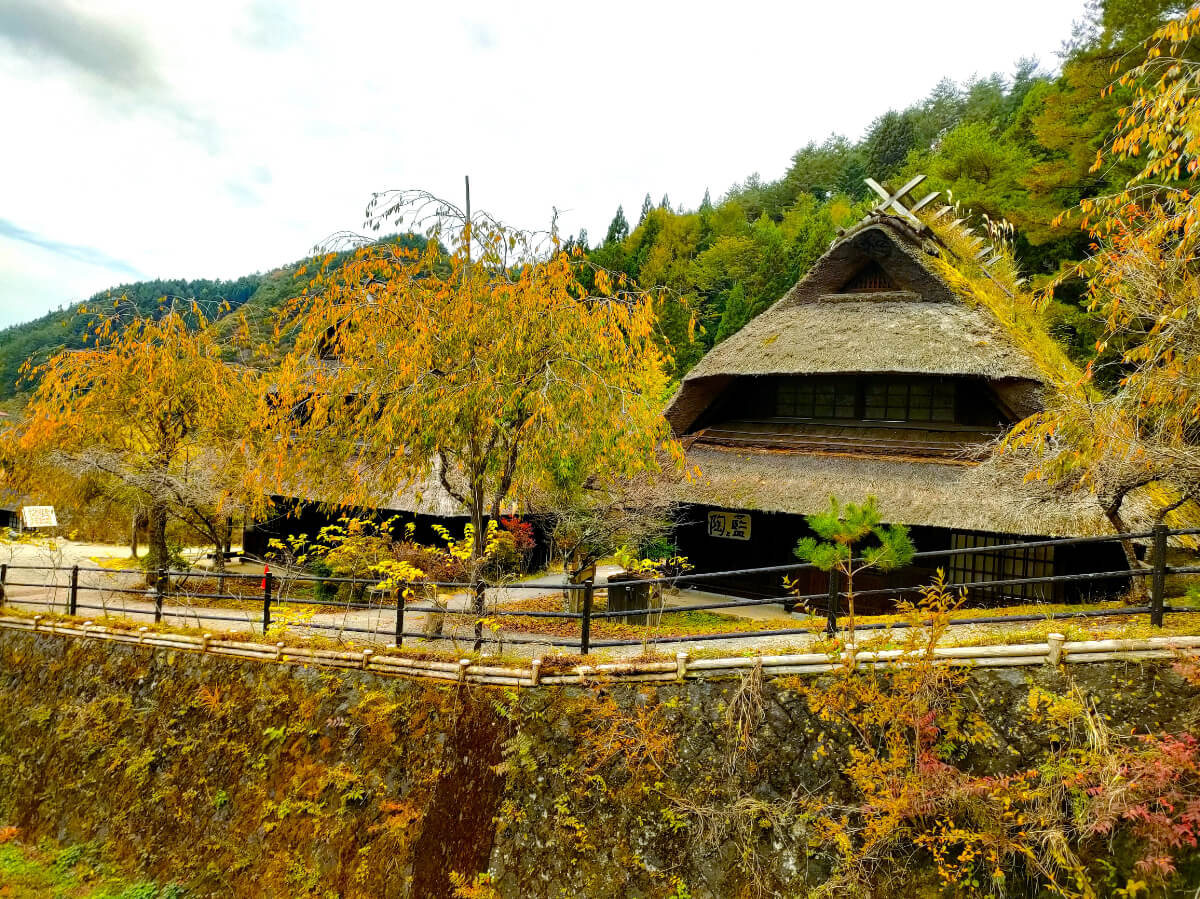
(773, 537)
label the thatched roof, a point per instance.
(921, 326)
(870, 334)
(985, 497)
(424, 497)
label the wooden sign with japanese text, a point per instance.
(729, 525)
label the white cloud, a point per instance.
(217, 140)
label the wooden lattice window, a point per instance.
(1012, 564)
(871, 278)
(815, 398)
(909, 399)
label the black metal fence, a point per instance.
(275, 599)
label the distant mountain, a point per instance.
(40, 338)
(258, 297)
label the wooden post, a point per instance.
(478, 602)
(1055, 644)
(266, 622)
(73, 595)
(585, 630)
(160, 588)
(1158, 578)
(832, 611)
(3, 578)
(400, 616)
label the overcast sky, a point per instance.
(155, 138)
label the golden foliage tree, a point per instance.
(1143, 283)
(150, 415)
(481, 366)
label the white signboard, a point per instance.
(39, 517)
(729, 525)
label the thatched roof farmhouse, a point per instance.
(872, 376)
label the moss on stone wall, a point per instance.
(260, 780)
(247, 779)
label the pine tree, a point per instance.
(736, 314)
(665, 203)
(647, 205)
(839, 544)
(618, 228)
(582, 240)
(706, 203)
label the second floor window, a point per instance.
(865, 398)
(816, 398)
(909, 399)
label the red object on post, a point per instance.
(266, 571)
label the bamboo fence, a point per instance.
(1055, 651)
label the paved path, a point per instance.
(122, 593)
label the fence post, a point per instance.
(831, 625)
(585, 630)
(73, 595)
(1158, 579)
(400, 616)
(266, 624)
(161, 585)
(3, 578)
(478, 604)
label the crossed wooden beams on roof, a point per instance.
(987, 254)
(895, 201)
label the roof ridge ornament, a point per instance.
(987, 249)
(895, 201)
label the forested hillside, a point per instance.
(66, 328)
(1019, 147)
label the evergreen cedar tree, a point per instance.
(500, 380)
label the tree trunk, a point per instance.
(133, 535)
(158, 555)
(1137, 585)
(478, 551)
(852, 638)
(224, 537)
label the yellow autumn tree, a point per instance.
(1143, 282)
(473, 362)
(150, 416)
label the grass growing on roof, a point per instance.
(1015, 308)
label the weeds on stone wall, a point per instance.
(915, 805)
(927, 779)
(875, 782)
(252, 781)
